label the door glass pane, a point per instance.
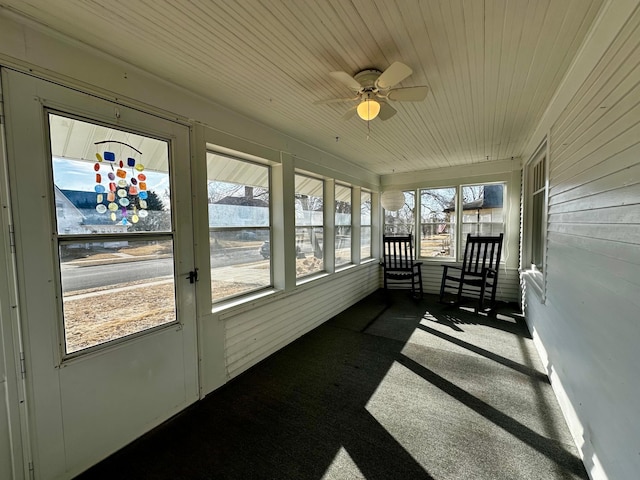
(114, 288)
(111, 191)
(438, 222)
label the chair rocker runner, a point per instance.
(399, 262)
(478, 275)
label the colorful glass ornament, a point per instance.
(121, 173)
(109, 156)
(139, 167)
(99, 157)
(96, 167)
(142, 177)
(99, 188)
(131, 161)
(101, 208)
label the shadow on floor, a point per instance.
(392, 388)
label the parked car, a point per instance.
(265, 249)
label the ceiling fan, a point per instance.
(374, 90)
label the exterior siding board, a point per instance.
(588, 329)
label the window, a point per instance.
(482, 211)
(309, 208)
(239, 226)
(113, 233)
(401, 221)
(535, 207)
(343, 225)
(365, 225)
(438, 222)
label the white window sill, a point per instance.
(241, 301)
(311, 278)
(534, 279)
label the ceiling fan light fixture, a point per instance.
(368, 109)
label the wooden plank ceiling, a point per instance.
(492, 66)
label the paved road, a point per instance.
(79, 276)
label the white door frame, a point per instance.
(60, 446)
(11, 350)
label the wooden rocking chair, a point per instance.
(478, 275)
(400, 266)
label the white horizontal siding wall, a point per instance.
(253, 334)
(588, 330)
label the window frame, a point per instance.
(269, 228)
(368, 226)
(457, 223)
(462, 223)
(535, 183)
(389, 229)
(338, 266)
(299, 279)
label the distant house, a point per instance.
(236, 211)
(76, 214)
(484, 215)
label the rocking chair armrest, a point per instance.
(486, 272)
(446, 267)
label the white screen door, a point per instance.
(101, 198)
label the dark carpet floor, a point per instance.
(392, 388)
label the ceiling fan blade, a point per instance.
(409, 94)
(386, 111)
(350, 113)
(346, 79)
(335, 100)
(395, 73)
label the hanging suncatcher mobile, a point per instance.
(121, 187)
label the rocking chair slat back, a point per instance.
(399, 263)
(478, 275)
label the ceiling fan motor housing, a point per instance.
(367, 78)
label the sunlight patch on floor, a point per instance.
(342, 467)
